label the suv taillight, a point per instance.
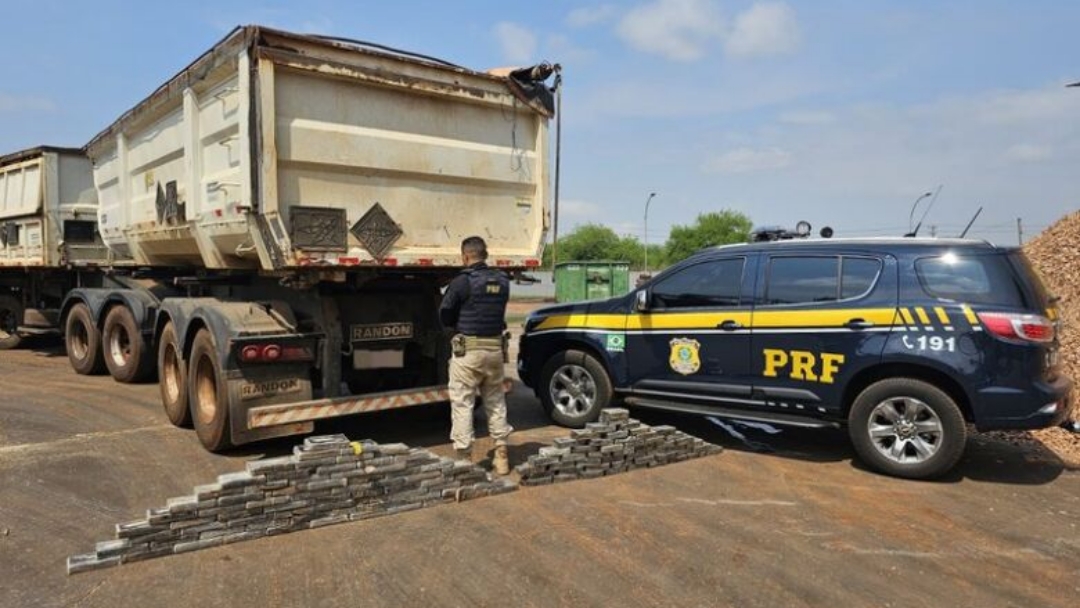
(1012, 326)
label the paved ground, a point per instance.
(799, 524)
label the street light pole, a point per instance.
(911, 216)
(647, 201)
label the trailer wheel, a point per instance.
(208, 394)
(127, 355)
(172, 378)
(11, 316)
(83, 342)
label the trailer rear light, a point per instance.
(426, 262)
(296, 353)
(532, 263)
(503, 262)
(389, 262)
(348, 261)
(1011, 326)
(273, 353)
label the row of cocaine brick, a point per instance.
(614, 444)
(327, 480)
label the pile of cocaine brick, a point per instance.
(327, 480)
(615, 444)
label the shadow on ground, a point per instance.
(985, 459)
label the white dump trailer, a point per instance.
(293, 205)
(49, 241)
(275, 151)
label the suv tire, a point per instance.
(907, 428)
(573, 388)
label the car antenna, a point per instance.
(968, 227)
(915, 232)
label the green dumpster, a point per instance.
(580, 281)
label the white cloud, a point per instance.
(748, 160)
(591, 15)
(578, 210)
(1028, 153)
(517, 42)
(1012, 152)
(560, 49)
(19, 103)
(680, 30)
(807, 117)
(766, 28)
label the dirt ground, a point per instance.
(785, 519)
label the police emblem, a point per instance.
(684, 357)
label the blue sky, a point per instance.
(839, 112)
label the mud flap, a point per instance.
(271, 386)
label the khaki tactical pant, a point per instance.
(477, 371)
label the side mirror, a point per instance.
(641, 301)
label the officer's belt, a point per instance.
(483, 342)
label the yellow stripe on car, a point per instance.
(943, 316)
(822, 318)
(908, 319)
(923, 317)
(970, 315)
(710, 320)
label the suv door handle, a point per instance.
(730, 325)
(858, 324)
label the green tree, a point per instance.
(709, 230)
(590, 242)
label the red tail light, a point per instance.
(273, 353)
(1011, 326)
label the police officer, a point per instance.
(474, 307)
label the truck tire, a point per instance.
(11, 316)
(208, 393)
(172, 378)
(82, 341)
(907, 428)
(127, 355)
(573, 388)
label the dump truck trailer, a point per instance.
(49, 242)
(290, 207)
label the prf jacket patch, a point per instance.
(685, 356)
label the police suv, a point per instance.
(903, 340)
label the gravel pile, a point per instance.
(1056, 255)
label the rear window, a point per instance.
(980, 279)
(1034, 281)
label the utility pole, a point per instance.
(933, 230)
(1019, 232)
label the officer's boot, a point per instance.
(501, 462)
(463, 454)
